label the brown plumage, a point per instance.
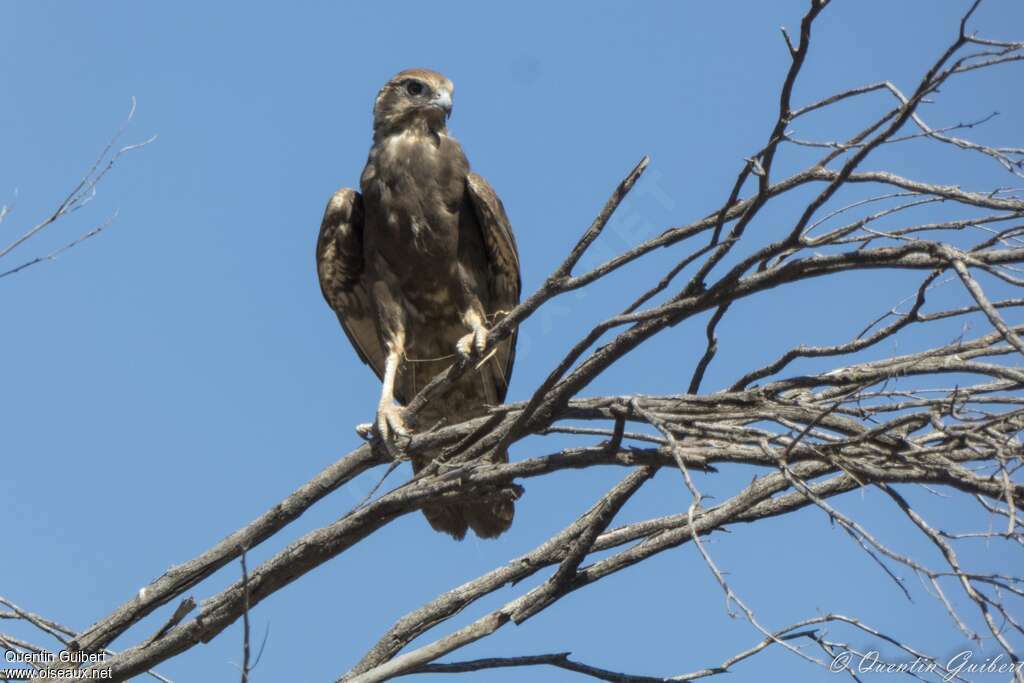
(417, 268)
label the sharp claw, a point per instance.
(464, 347)
(401, 442)
(473, 344)
(480, 339)
(397, 426)
(391, 427)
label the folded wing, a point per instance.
(502, 264)
(339, 264)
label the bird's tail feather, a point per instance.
(448, 519)
(488, 518)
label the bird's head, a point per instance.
(414, 97)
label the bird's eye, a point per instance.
(414, 88)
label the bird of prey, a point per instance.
(417, 268)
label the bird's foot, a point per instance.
(473, 344)
(391, 420)
(391, 427)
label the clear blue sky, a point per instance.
(169, 380)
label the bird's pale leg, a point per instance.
(390, 420)
(476, 341)
(390, 415)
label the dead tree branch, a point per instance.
(943, 415)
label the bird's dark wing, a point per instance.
(504, 282)
(339, 263)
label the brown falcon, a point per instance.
(417, 268)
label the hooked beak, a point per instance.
(443, 101)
